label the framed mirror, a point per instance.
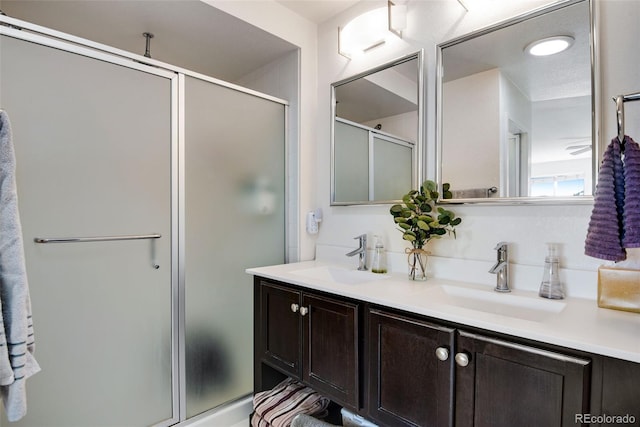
(514, 125)
(376, 133)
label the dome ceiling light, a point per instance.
(549, 46)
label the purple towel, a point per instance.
(631, 218)
(605, 232)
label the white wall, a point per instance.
(515, 106)
(619, 70)
(403, 125)
(430, 23)
(472, 108)
(526, 227)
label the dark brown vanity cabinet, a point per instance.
(620, 393)
(310, 337)
(410, 371)
(502, 384)
(403, 369)
(426, 374)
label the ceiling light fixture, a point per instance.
(397, 16)
(372, 29)
(549, 45)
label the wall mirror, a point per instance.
(376, 133)
(513, 126)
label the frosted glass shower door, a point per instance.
(93, 146)
(234, 219)
(391, 182)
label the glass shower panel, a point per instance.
(351, 160)
(391, 181)
(234, 219)
(93, 149)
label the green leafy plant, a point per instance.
(418, 217)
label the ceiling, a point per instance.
(318, 11)
(188, 33)
(193, 35)
(558, 85)
(563, 75)
(374, 96)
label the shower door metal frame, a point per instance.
(181, 191)
(30, 32)
(45, 37)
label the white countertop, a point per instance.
(580, 325)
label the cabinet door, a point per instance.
(280, 328)
(499, 383)
(621, 389)
(330, 347)
(410, 372)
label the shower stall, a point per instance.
(144, 193)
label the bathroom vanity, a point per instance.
(441, 353)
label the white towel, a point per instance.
(16, 328)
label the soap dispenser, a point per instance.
(379, 263)
(551, 287)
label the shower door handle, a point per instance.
(152, 236)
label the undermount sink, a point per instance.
(503, 304)
(340, 275)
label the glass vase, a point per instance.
(417, 258)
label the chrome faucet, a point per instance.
(501, 268)
(361, 251)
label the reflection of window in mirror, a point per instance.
(558, 185)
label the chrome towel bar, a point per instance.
(620, 100)
(95, 239)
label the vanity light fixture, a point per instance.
(397, 16)
(464, 5)
(372, 29)
(549, 45)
